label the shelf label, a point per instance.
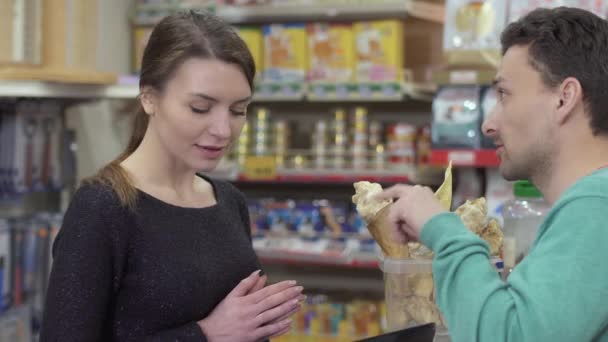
(462, 157)
(260, 168)
(463, 77)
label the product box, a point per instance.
(255, 42)
(519, 8)
(285, 53)
(379, 51)
(488, 102)
(141, 35)
(472, 31)
(331, 52)
(456, 118)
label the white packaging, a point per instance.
(498, 191)
(519, 8)
(473, 26)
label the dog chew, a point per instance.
(375, 214)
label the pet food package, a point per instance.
(488, 102)
(379, 51)
(472, 31)
(519, 8)
(255, 42)
(331, 52)
(456, 118)
(285, 53)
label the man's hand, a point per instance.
(414, 206)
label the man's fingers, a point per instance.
(395, 191)
(399, 233)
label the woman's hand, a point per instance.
(250, 311)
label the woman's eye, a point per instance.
(238, 112)
(199, 110)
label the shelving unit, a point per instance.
(265, 92)
(347, 10)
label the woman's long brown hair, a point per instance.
(174, 40)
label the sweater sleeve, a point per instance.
(80, 290)
(88, 258)
(557, 293)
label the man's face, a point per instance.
(520, 124)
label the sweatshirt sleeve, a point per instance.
(557, 293)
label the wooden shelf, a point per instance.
(323, 11)
(48, 74)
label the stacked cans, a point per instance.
(401, 145)
(340, 138)
(260, 131)
(319, 145)
(242, 146)
(359, 134)
(280, 137)
(377, 159)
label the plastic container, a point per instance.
(522, 217)
(410, 294)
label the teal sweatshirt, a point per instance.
(559, 292)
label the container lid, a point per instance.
(526, 189)
(405, 266)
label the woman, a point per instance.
(149, 250)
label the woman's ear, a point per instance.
(147, 98)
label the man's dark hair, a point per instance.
(567, 42)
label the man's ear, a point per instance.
(570, 94)
(148, 100)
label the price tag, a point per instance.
(463, 77)
(462, 157)
(260, 168)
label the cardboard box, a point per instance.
(472, 32)
(331, 51)
(285, 53)
(255, 42)
(141, 35)
(379, 51)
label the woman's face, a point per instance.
(200, 112)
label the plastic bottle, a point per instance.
(522, 216)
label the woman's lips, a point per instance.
(211, 152)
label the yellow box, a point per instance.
(141, 35)
(331, 52)
(285, 53)
(379, 51)
(255, 42)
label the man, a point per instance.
(550, 126)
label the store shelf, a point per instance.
(128, 88)
(303, 259)
(53, 74)
(340, 10)
(42, 89)
(334, 176)
(277, 91)
(461, 157)
(350, 91)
